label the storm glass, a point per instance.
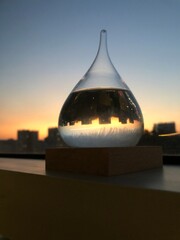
(101, 111)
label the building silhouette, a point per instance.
(164, 128)
(53, 139)
(27, 141)
(8, 146)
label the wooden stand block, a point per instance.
(103, 161)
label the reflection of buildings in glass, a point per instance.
(104, 104)
(112, 122)
(27, 141)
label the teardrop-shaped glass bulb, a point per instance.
(101, 111)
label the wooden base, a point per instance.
(103, 161)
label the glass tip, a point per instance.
(103, 31)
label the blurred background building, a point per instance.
(162, 134)
(27, 141)
(164, 128)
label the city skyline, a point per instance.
(47, 46)
(163, 125)
(28, 141)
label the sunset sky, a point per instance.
(46, 46)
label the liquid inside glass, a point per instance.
(101, 118)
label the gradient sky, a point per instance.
(46, 46)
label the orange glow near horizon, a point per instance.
(11, 133)
(9, 129)
(33, 117)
